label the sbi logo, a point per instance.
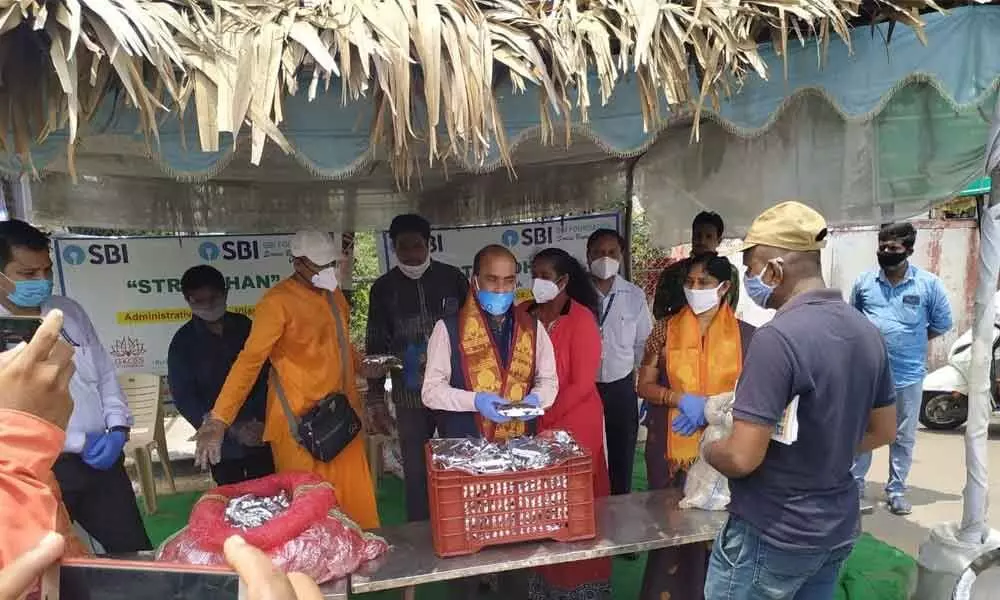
(510, 238)
(74, 255)
(529, 236)
(99, 254)
(229, 250)
(208, 251)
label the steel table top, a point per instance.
(335, 590)
(630, 523)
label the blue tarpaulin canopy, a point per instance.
(883, 131)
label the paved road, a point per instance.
(936, 483)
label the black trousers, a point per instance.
(416, 425)
(257, 463)
(621, 425)
(103, 503)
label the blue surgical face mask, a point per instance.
(495, 303)
(758, 291)
(31, 293)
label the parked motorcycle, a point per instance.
(945, 403)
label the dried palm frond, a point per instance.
(430, 66)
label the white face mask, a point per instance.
(702, 300)
(212, 314)
(544, 290)
(604, 268)
(326, 279)
(416, 272)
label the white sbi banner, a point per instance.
(131, 287)
(458, 245)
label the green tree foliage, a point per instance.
(366, 271)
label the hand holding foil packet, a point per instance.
(479, 456)
(378, 365)
(520, 411)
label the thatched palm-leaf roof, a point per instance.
(429, 65)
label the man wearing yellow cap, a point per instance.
(815, 390)
(301, 326)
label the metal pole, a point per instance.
(952, 547)
(627, 217)
(21, 189)
(975, 495)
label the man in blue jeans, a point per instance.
(910, 307)
(814, 392)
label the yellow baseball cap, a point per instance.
(790, 226)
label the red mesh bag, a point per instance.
(312, 536)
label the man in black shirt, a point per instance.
(706, 235)
(199, 359)
(404, 305)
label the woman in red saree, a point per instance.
(566, 303)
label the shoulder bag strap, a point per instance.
(293, 421)
(342, 343)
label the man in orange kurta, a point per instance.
(294, 328)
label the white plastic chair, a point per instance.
(145, 399)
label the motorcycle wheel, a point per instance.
(943, 411)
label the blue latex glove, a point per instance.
(104, 453)
(93, 445)
(487, 403)
(693, 407)
(413, 357)
(683, 426)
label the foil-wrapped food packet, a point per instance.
(249, 511)
(381, 361)
(519, 411)
(479, 456)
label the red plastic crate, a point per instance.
(470, 512)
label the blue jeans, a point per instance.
(901, 450)
(744, 566)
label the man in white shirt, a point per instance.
(488, 354)
(625, 323)
(91, 470)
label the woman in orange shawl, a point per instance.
(694, 354)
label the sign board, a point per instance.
(458, 245)
(131, 287)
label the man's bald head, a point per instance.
(492, 252)
(495, 269)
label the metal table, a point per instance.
(335, 590)
(626, 524)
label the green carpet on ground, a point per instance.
(874, 571)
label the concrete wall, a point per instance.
(949, 249)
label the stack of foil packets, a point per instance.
(479, 456)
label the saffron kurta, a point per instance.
(294, 328)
